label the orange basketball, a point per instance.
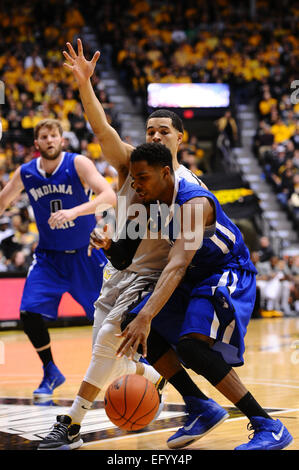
(131, 402)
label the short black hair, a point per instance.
(154, 154)
(175, 119)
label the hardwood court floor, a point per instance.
(270, 373)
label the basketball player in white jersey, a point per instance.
(121, 289)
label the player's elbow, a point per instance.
(3, 205)
(104, 132)
(110, 197)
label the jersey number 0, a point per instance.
(55, 205)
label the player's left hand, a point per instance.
(99, 238)
(57, 219)
(134, 334)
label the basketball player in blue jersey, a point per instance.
(121, 288)
(56, 184)
(203, 300)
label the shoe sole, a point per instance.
(185, 441)
(72, 446)
(160, 409)
(160, 387)
(42, 395)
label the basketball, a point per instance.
(131, 402)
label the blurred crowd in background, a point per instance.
(150, 41)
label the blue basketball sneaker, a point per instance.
(51, 380)
(203, 416)
(268, 434)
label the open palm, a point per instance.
(78, 64)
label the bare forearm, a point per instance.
(168, 282)
(93, 108)
(94, 111)
(99, 204)
(11, 191)
(114, 149)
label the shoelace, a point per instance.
(254, 429)
(59, 430)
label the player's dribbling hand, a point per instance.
(99, 238)
(135, 334)
(78, 64)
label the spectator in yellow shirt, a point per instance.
(281, 131)
(30, 121)
(94, 149)
(267, 104)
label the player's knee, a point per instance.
(35, 328)
(157, 346)
(198, 356)
(106, 342)
(30, 319)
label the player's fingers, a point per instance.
(94, 245)
(95, 57)
(68, 66)
(96, 235)
(68, 57)
(144, 347)
(133, 348)
(89, 250)
(71, 50)
(96, 242)
(80, 47)
(124, 347)
(119, 335)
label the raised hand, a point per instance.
(81, 67)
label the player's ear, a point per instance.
(36, 144)
(180, 137)
(166, 170)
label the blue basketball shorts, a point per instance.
(52, 273)
(218, 306)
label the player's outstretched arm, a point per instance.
(116, 152)
(11, 190)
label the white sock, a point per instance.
(79, 409)
(150, 373)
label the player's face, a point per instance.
(149, 182)
(161, 130)
(49, 142)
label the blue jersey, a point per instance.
(224, 247)
(217, 295)
(62, 190)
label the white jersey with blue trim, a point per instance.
(152, 254)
